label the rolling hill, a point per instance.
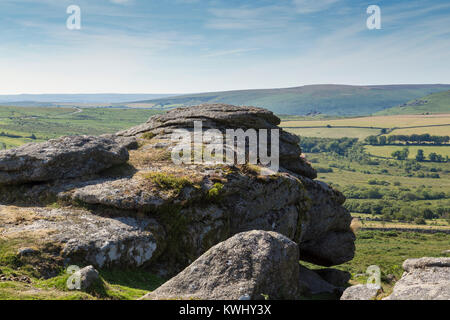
(438, 102)
(37, 100)
(326, 99)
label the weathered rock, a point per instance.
(66, 157)
(249, 265)
(88, 276)
(310, 283)
(360, 292)
(222, 117)
(326, 238)
(87, 238)
(335, 277)
(424, 279)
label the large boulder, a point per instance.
(66, 157)
(423, 279)
(250, 265)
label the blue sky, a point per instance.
(182, 46)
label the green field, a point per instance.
(386, 151)
(325, 132)
(387, 122)
(389, 249)
(362, 127)
(438, 102)
(48, 123)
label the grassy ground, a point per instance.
(431, 224)
(353, 173)
(434, 103)
(325, 132)
(433, 130)
(113, 285)
(388, 250)
(394, 121)
(47, 123)
(362, 127)
(386, 151)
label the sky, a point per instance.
(186, 46)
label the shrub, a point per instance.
(148, 135)
(420, 221)
(168, 181)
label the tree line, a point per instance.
(407, 139)
(420, 156)
(316, 145)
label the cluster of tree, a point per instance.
(411, 214)
(401, 154)
(407, 139)
(378, 182)
(316, 145)
(394, 210)
(420, 156)
(404, 194)
(433, 157)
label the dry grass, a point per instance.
(16, 215)
(355, 225)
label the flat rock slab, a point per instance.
(66, 157)
(249, 265)
(84, 237)
(424, 279)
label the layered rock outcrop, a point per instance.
(120, 200)
(423, 279)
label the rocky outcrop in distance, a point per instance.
(119, 200)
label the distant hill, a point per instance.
(46, 99)
(438, 102)
(311, 99)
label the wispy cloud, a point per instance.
(228, 52)
(311, 6)
(209, 45)
(245, 17)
